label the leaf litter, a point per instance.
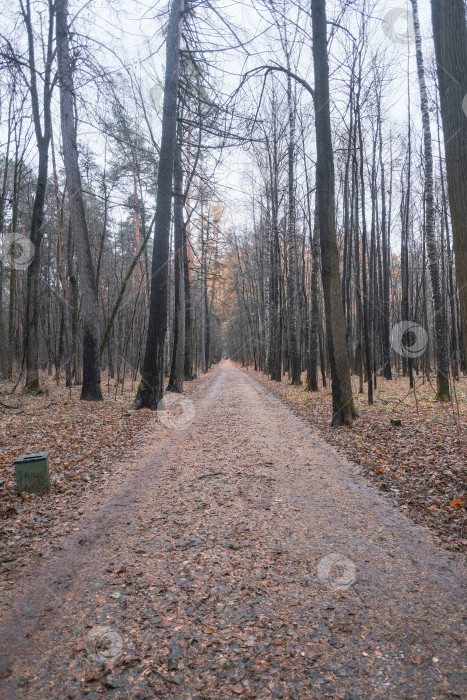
(421, 464)
(211, 583)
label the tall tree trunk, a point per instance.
(3, 334)
(358, 284)
(31, 345)
(91, 387)
(274, 359)
(368, 350)
(405, 223)
(188, 370)
(292, 282)
(43, 135)
(205, 302)
(450, 37)
(12, 308)
(386, 253)
(188, 364)
(347, 219)
(151, 387)
(274, 258)
(62, 284)
(342, 400)
(73, 311)
(178, 353)
(441, 329)
(312, 371)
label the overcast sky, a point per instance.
(127, 35)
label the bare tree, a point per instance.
(441, 329)
(91, 388)
(178, 352)
(342, 399)
(42, 117)
(450, 37)
(151, 387)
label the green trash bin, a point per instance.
(32, 473)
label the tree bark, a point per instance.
(386, 253)
(312, 370)
(43, 135)
(368, 348)
(342, 399)
(178, 353)
(274, 364)
(91, 387)
(205, 301)
(188, 364)
(450, 37)
(440, 321)
(3, 334)
(33, 274)
(151, 387)
(292, 286)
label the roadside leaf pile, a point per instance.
(84, 441)
(420, 464)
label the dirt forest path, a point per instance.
(240, 559)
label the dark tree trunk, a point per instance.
(274, 367)
(450, 37)
(407, 363)
(178, 352)
(43, 135)
(188, 368)
(292, 282)
(386, 252)
(33, 274)
(151, 387)
(312, 371)
(188, 364)
(91, 387)
(366, 299)
(342, 399)
(13, 280)
(73, 312)
(274, 364)
(207, 315)
(440, 321)
(3, 334)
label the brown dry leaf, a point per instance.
(238, 689)
(80, 645)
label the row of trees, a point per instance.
(115, 255)
(326, 288)
(77, 226)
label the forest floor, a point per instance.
(83, 441)
(420, 465)
(236, 556)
